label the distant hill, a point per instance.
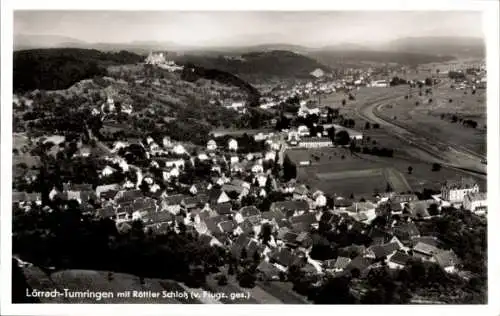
(454, 46)
(23, 42)
(334, 58)
(60, 68)
(273, 63)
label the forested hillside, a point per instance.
(60, 68)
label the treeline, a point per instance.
(54, 69)
(99, 245)
(455, 119)
(276, 63)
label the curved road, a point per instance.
(422, 147)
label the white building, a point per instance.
(179, 149)
(167, 143)
(211, 145)
(303, 130)
(455, 191)
(232, 144)
(475, 202)
(315, 142)
(107, 171)
(379, 83)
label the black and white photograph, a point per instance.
(305, 157)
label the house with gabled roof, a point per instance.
(283, 256)
(172, 203)
(447, 260)
(105, 188)
(398, 260)
(246, 212)
(223, 209)
(218, 196)
(340, 264)
(406, 231)
(359, 266)
(425, 251)
(378, 252)
(80, 192)
(200, 187)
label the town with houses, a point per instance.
(219, 207)
(328, 188)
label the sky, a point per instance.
(247, 27)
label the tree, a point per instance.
(436, 167)
(388, 187)
(289, 169)
(410, 169)
(265, 233)
(247, 279)
(343, 102)
(331, 133)
(222, 280)
(367, 125)
(342, 138)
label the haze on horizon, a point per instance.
(232, 28)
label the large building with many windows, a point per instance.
(455, 191)
(315, 142)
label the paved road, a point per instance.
(424, 148)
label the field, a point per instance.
(21, 144)
(435, 119)
(362, 175)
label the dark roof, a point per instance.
(359, 263)
(212, 225)
(276, 215)
(202, 198)
(106, 212)
(426, 249)
(446, 258)
(204, 239)
(227, 226)
(190, 202)
(159, 217)
(247, 211)
(232, 188)
(383, 251)
(399, 198)
(77, 187)
(130, 195)
(290, 237)
(306, 218)
(429, 240)
(284, 257)
(246, 226)
(223, 209)
(174, 199)
(242, 240)
(407, 229)
(108, 195)
(290, 205)
(400, 258)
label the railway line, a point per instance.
(446, 154)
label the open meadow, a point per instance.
(363, 175)
(442, 116)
